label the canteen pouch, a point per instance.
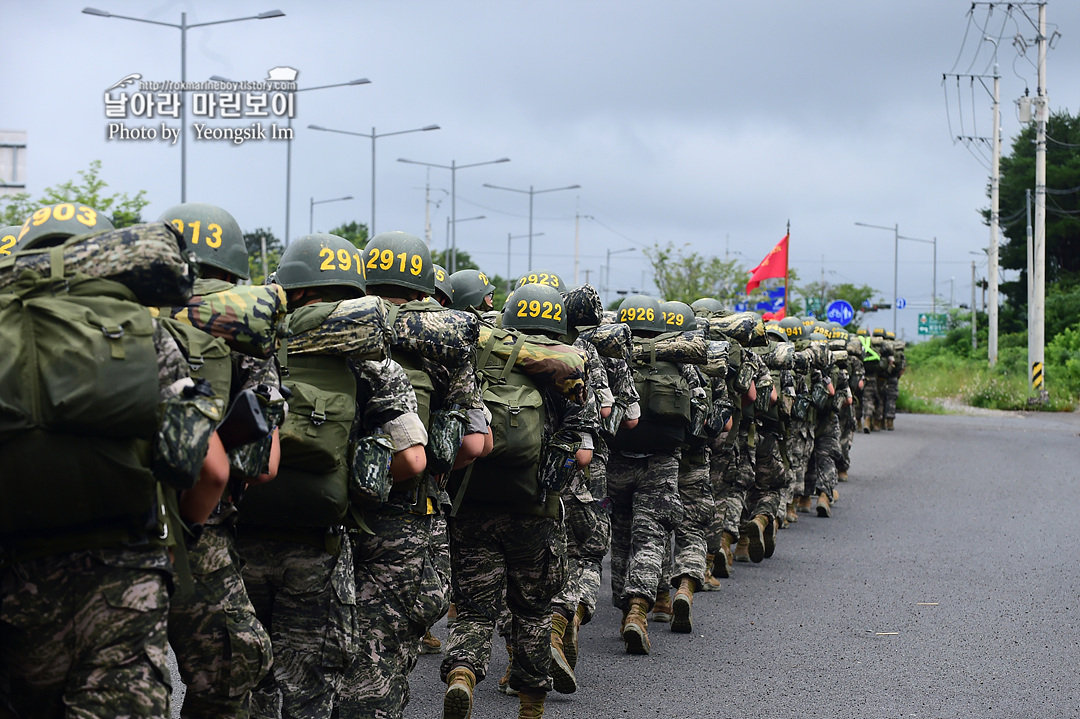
(369, 477)
(444, 439)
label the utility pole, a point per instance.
(577, 244)
(995, 215)
(427, 209)
(1036, 330)
(974, 310)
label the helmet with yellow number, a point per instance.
(212, 234)
(472, 289)
(320, 260)
(642, 313)
(8, 237)
(52, 224)
(536, 307)
(400, 259)
(678, 316)
(444, 290)
(541, 277)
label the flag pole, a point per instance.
(787, 264)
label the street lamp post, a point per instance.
(933, 298)
(895, 229)
(607, 269)
(509, 281)
(183, 27)
(531, 192)
(449, 222)
(311, 213)
(454, 167)
(373, 136)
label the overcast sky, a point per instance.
(704, 122)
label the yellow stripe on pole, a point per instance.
(1036, 375)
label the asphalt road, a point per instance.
(944, 585)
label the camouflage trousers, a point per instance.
(874, 399)
(689, 539)
(735, 479)
(645, 507)
(847, 436)
(221, 649)
(800, 447)
(821, 473)
(588, 538)
(83, 635)
(722, 456)
(505, 559)
(891, 393)
(305, 596)
(401, 591)
(770, 475)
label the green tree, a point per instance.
(354, 232)
(253, 241)
(687, 276)
(255, 266)
(1062, 206)
(123, 209)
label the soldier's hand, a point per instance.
(584, 457)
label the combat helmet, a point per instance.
(535, 307)
(793, 328)
(399, 259)
(774, 330)
(678, 316)
(706, 305)
(212, 234)
(890, 335)
(320, 260)
(52, 224)
(879, 332)
(642, 313)
(541, 277)
(471, 288)
(444, 291)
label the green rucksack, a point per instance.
(664, 392)
(208, 357)
(79, 402)
(312, 485)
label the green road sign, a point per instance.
(814, 307)
(932, 324)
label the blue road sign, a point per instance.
(840, 311)
(741, 307)
(901, 303)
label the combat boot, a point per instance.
(804, 504)
(842, 476)
(681, 621)
(824, 507)
(865, 424)
(754, 534)
(570, 637)
(835, 495)
(770, 537)
(889, 423)
(430, 644)
(532, 705)
(635, 631)
(742, 549)
(457, 704)
(724, 570)
(711, 582)
(504, 680)
(791, 515)
(451, 614)
(661, 608)
(562, 674)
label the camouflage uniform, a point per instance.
(302, 580)
(83, 631)
(222, 651)
(725, 455)
(587, 525)
(515, 550)
(892, 383)
(689, 539)
(771, 464)
(821, 474)
(401, 586)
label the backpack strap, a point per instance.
(512, 360)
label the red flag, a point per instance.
(774, 265)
